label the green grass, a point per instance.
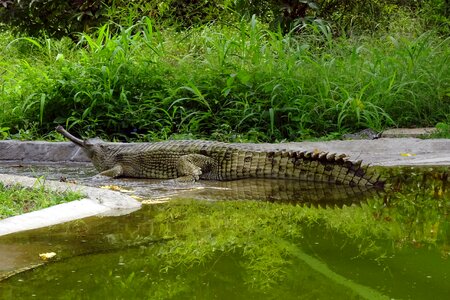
(239, 82)
(16, 200)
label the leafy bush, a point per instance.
(378, 14)
(52, 17)
(241, 82)
(437, 15)
(62, 18)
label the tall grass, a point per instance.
(237, 82)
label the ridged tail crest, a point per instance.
(312, 166)
(334, 168)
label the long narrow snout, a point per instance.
(73, 139)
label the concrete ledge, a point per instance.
(39, 151)
(381, 152)
(50, 216)
(97, 201)
(408, 132)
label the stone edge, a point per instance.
(96, 202)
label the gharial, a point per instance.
(192, 160)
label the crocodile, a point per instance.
(191, 160)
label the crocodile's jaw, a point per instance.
(98, 156)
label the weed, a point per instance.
(443, 130)
(16, 200)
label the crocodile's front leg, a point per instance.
(191, 166)
(114, 172)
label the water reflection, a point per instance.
(272, 190)
(394, 243)
(288, 191)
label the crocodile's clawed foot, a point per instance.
(187, 179)
(179, 182)
(100, 177)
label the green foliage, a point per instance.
(436, 14)
(67, 18)
(355, 16)
(16, 200)
(352, 15)
(239, 83)
(443, 130)
(54, 18)
(4, 133)
(171, 13)
(63, 18)
(284, 15)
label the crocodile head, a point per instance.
(96, 149)
(100, 153)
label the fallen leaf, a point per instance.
(407, 154)
(47, 256)
(110, 187)
(115, 188)
(155, 201)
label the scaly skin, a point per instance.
(194, 160)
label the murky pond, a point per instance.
(393, 244)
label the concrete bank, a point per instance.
(96, 201)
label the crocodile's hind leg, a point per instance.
(191, 166)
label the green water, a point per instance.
(394, 245)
